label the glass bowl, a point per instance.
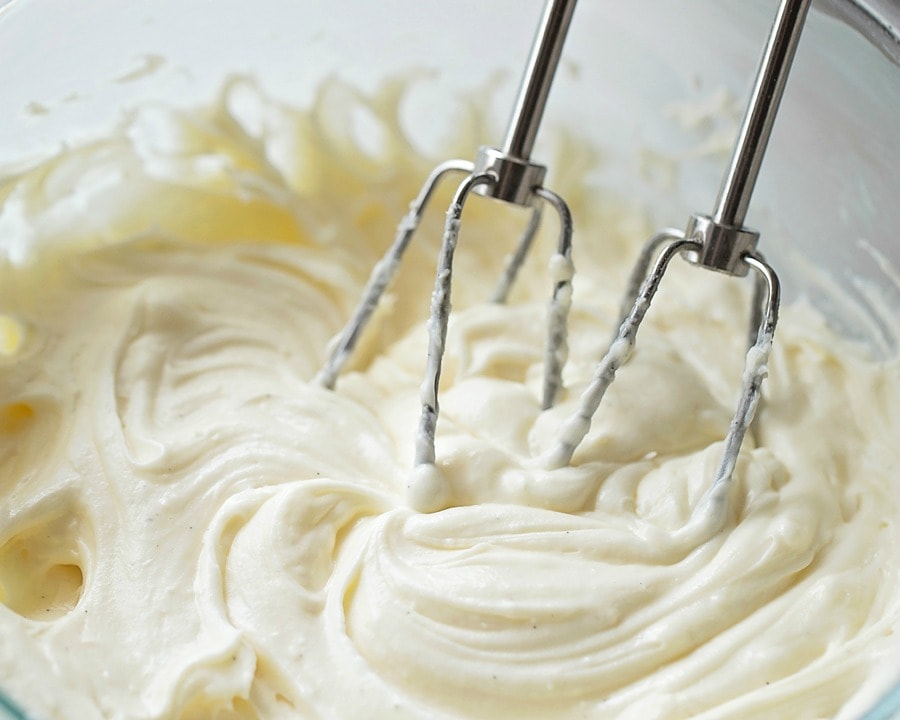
(80, 67)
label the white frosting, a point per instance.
(192, 528)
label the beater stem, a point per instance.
(577, 426)
(383, 273)
(539, 72)
(756, 127)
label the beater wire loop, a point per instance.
(517, 259)
(439, 318)
(755, 364)
(556, 347)
(577, 426)
(383, 273)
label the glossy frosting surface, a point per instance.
(190, 529)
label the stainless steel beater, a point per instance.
(717, 242)
(506, 174)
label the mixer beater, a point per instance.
(717, 242)
(506, 174)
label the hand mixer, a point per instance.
(718, 242)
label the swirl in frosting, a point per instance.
(192, 529)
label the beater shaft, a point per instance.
(540, 70)
(516, 175)
(753, 137)
(723, 238)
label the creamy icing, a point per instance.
(193, 528)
